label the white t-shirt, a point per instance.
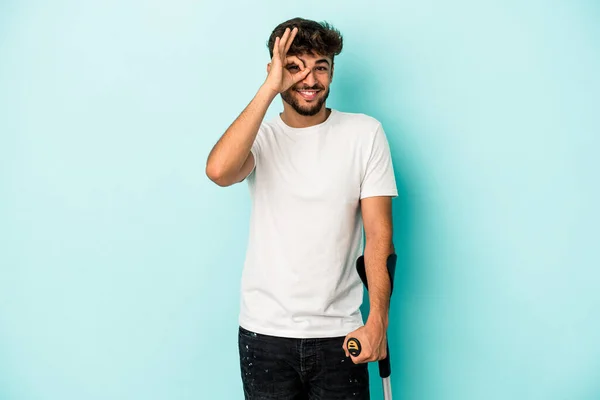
(306, 231)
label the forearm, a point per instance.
(377, 249)
(231, 151)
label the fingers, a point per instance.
(281, 47)
(298, 76)
(367, 352)
(290, 40)
(345, 346)
(276, 55)
(283, 42)
(301, 75)
(363, 355)
(295, 60)
(286, 41)
(361, 359)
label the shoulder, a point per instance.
(359, 126)
(266, 130)
(359, 122)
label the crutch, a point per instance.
(354, 346)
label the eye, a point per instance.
(292, 67)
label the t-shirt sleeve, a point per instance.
(256, 150)
(379, 179)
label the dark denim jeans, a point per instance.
(299, 369)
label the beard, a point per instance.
(289, 96)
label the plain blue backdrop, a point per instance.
(120, 261)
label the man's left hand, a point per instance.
(372, 338)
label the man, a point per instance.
(317, 177)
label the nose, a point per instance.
(310, 79)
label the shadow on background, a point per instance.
(354, 89)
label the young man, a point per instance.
(317, 177)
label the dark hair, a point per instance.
(312, 37)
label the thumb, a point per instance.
(301, 75)
(345, 347)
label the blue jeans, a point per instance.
(299, 369)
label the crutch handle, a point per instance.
(355, 348)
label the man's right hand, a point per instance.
(284, 71)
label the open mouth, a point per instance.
(308, 94)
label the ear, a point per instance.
(268, 68)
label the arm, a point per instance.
(230, 160)
(377, 218)
(378, 187)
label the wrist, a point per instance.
(267, 91)
(378, 319)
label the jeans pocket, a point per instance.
(247, 333)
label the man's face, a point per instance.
(308, 96)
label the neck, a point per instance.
(295, 120)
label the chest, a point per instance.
(327, 168)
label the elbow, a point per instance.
(217, 175)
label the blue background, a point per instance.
(120, 260)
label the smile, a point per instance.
(308, 94)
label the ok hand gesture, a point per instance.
(280, 78)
